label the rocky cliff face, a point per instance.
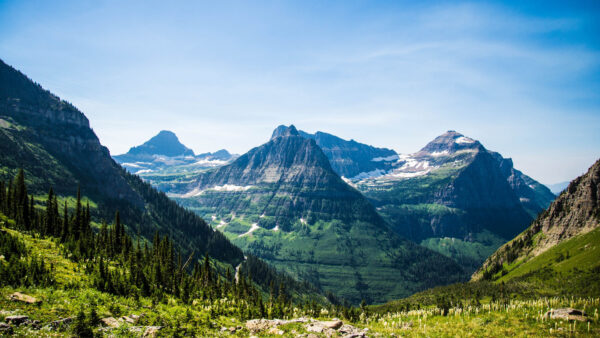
(37, 116)
(575, 212)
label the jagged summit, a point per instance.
(450, 142)
(282, 131)
(347, 158)
(164, 143)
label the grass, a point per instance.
(514, 317)
(469, 254)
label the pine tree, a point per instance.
(78, 216)
(65, 228)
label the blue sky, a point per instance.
(524, 79)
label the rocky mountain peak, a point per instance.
(283, 131)
(451, 142)
(164, 143)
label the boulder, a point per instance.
(17, 320)
(110, 322)
(129, 319)
(275, 330)
(21, 297)
(152, 331)
(333, 324)
(567, 314)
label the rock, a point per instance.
(568, 314)
(59, 324)
(5, 328)
(334, 324)
(110, 322)
(16, 320)
(21, 297)
(232, 329)
(132, 319)
(355, 335)
(152, 331)
(313, 327)
(312, 335)
(324, 326)
(275, 330)
(223, 329)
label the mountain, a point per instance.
(165, 143)
(456, 197)
(283, 202)
(561, 245)
(53, 142)
(349, 158)
(557, 188)
(166, 163)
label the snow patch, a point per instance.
(440, 153)
(302, 220)
(414, 164)
(211, 163)
(464, 140)
(276, 228)
(226, 187)
(253, 228)
(386, 159)
(231, 187)
(221, 224)
(401, 174)
(370, 174)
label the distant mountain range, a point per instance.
(557, 188)
(166, 163)
(284, 202)
(453, 196)
(349, 158)
(164, 153)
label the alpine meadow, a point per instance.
(299, 169)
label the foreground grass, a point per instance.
(515, 318)
(484, 316)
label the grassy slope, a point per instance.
(72, 292)
(319, 253)
(572, 265)
(469, 254)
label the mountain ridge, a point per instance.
(283, 202)
(574, 213)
